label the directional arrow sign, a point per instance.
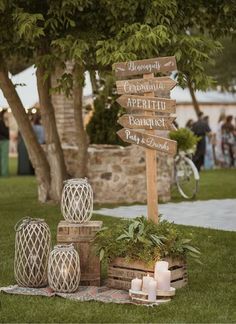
(156, 104)
(154, 65)
(147, 122)
(150, 141)
(145, 85)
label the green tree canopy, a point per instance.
(224, 68)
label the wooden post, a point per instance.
(151, 171)
(151, 105)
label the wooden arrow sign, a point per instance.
(154, 65)
(146, 103)
(149, 141)
(145, 85)
(147, 122)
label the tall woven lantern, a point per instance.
(64, 269)
(32, 248)
(77, 201)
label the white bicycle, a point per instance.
(186, 176)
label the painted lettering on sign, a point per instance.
(147, 122)
(133, 102)
(154, 65)
(149, 141)
(145, 85)
(147, 104)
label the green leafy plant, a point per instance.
(143, 240)
(103, 125)
(185, 139)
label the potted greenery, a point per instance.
(132, 248)
(185, 138)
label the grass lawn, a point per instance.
(214, 184)
(209, 297)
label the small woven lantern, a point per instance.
(64, 269)
(32, 248)
(77, 201)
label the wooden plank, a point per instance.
(137, 265)
(179, 283)
(68, 232)
(146, 122)
(151, 169)
(176, 262)
(127, 273)
(150, 85)
(118, 284)
(178, 273)
(147, 140)
(89, 224)
(134, 102)
(163, 94)
(153, 65)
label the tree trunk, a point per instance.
(194, 99)
(94, 83)
(53, 146)
(36, 153)
(81, 135)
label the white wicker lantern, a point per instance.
(32, 248)
(64, 269)
(77, 201)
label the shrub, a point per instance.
(185, 139)
(103, 125)
(143, 240)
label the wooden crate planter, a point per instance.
(121, 272)
(82, 237)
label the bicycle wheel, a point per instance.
(187, 177)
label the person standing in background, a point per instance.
(4, 144)
(38, 129)
(189, 124)
(209, 153)
(201, 129)
(218, 146)
(228, 139)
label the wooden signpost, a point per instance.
(160, 105)
(154, 115)
(152, 142)
(145, 85)
(147, 122)
(154, 65)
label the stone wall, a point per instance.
(117, 174)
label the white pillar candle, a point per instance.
(136, 284)
(152, 290)
(160, 266)
(163, 280)
(146, 280)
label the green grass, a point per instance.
(214, 184)
(209, 297)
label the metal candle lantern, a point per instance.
(77, 201)
(64, 269)
(32, 248)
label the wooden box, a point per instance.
(82, 236)
(121, 272)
